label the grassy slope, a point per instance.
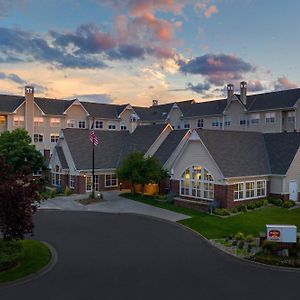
(36, 256)
(213, 227)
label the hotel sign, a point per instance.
(282, 233)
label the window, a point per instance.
(72, 181)
(2, 120)
(197, 182)
(215, 122)
(242, 119)
(38, 121)
(38, 173)
(255, 118)
(19, 121)
(111, 180)
(186, 125)
(123, 126)
(98, 124)
(54, 138)
(200, 123)
(56, 176)
(227, 121)
(239, 191)
(71, 123)
(249, 189)
(38, 138)
(111, 125)
(291, 117)
(261, 188)
(55, 122)
(270, 117)
(89, 184)
(81, 124)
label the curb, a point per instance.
(39, 273)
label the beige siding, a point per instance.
(234, 110)
(153, 148)
(262, 126)
(293, 172)
(276, 185)
(246, 178)
(125, 120)
(20, 112)
(286, 125)
(298, 116)
(194, 153)
(174, 118)
(76, 112)
(207, 122)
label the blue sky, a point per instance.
(137, 50)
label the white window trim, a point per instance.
(255, 190)
(83, 121)
(40, 134)
(111, 124)
(110, 186)
(56, 135)
(70, 185)
(269, 116)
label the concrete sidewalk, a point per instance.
(113, 204)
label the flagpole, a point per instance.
(93, 176)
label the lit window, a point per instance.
(2, 120)
(19, 121)
(89, 184)
(71, 123)
(270, 117)
(239, 191)
(55, 122)
(249, 189)
(254, 118)
(98, 124)
(200, 123)
(291, 117)
(38, 138)
(197, 182)
(111, 180)
(54, 138)
(81, 124)
(38, 121)
(111, 125)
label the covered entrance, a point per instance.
(293, 189)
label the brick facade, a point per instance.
(283, 197)
(174, 187)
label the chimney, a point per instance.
(243, 95)
(154, 102)
(29, 110)
(230, 90)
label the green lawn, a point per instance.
(213, 227)
(36, 256)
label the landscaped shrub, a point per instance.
(265, 202)
(67, 191)
(249, 238)
(52, 193)
(222, 211)
(268, 247)
(242, 208)
(277, 202)
(10, 253)
(239, 236)
(250, 205)
(241, 244)
(258, 203)
(170, 198)
(233, 210)
(230, 236)
(59, 190)
(288, 204)
(234, 243)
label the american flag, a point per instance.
(93, 136)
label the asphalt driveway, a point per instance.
(111, 256)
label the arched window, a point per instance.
(197, 182)
(56, 175)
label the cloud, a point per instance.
(198, 88)
(217, 69)
(127, 52)
(12, 77)
(6, 6)
(255, 86)
(28, 47)
(210, 10)
(282, 83)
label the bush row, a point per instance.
(284, 204)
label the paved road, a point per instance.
(113, 204)
(110, 256)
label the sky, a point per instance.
(134, 51)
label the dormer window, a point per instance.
(200, 123)
(270, 117)
(227, 121)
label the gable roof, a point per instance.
(61, 157)
(102, 110)
(282, 148)
(10, 103)
(53, 106)
(273, 100)
(169, 145)
(113, 146)
(237, 153)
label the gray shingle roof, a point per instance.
(169, 145)
(273, 100)
(101, 110)
(113, 145)
(53, 106)
(61, 157)
(282, 148)
(237, 153)
(10, 103)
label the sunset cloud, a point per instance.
(210, 10)
(282, 83)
